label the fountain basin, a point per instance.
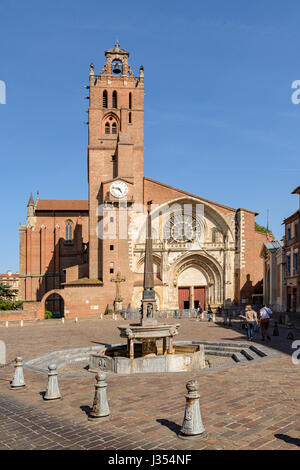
(114, 360)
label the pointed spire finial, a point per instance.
(31, 201)
(117, 45)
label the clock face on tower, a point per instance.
(118, 189)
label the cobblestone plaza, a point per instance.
(253, 405)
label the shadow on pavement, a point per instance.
(169, 424)
(86, 409)
(279, 343)
(288, 439)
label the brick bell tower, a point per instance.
(115, 165)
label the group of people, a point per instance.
(251, 317)
(265, 314)
(200, 311)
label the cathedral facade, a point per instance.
(73, 252)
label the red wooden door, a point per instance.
(183, 297)
(199, 294)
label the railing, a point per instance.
(230, 312)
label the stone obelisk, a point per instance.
(148, 308)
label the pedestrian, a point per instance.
(209, 313)
(251, 319)
(199, 311)
(265, 314)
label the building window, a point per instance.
(69, 231)
(129, 118)
(107, 128)
(104, 101)
(296, 233)
(111, 219)
(111, 247)
(114, 128)
(288, 265)
(130, 100)
(288, 235)
(111, 268)
(295, 263)
(114, 100)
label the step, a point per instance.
(218, 353)
(247, 354)
(239, 357)
(259, 352)
(222, 348)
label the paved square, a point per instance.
(250, 406)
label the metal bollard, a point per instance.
(192, 426)
(52, 392)
(18, 380)
(100, 404)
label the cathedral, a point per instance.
(84, 257)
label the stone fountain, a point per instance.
(148, 355)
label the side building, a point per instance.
(292, 278)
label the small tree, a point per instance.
(262, 229)
(6, 292)
(6, 298)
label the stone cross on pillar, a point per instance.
(148, 309)
(118, 300)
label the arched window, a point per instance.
(130, 100)
(114, 100)
(107, 128)
(114, 128)
(69, 231)
(104, 100)
(129, 118)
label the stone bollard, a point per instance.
(192, 426)
(202, 316)
(52, 392)
(63, 320)
(214, 318)
(100, 404)
(21, 323)
(18, 380)
(6, 324)
(76, 320)
(276, 330)
(101, 316)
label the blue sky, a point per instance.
(219, 121)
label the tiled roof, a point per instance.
(198, 197)
(274, 245)
(62, 205)
(9, 275)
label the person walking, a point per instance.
(265, 314)
(209, 313)
(251, 319)
(199, 311)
